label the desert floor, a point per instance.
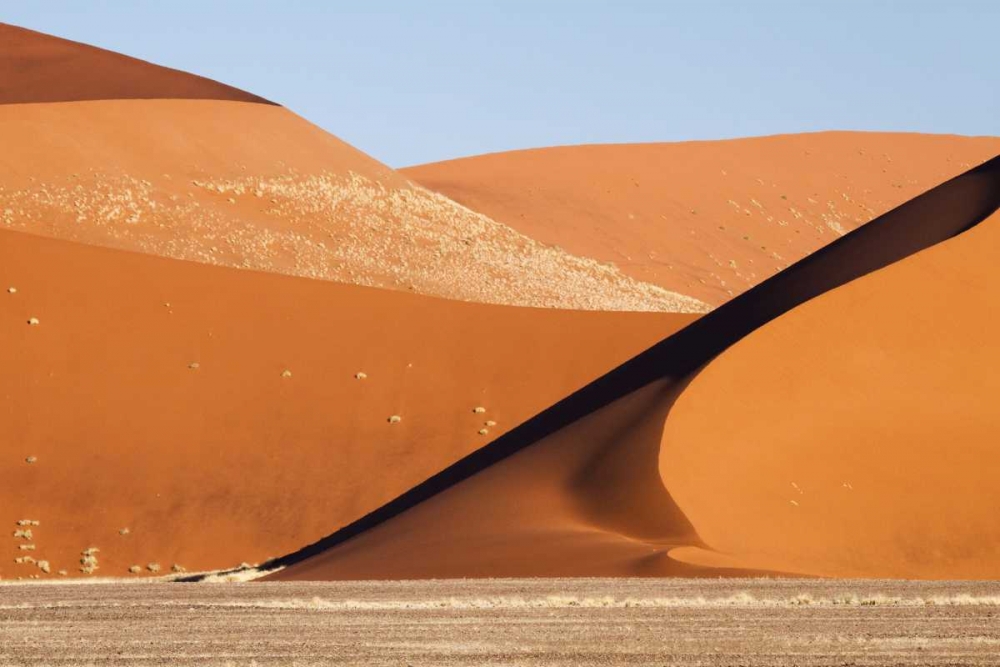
(504, 622)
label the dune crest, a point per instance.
(35, 67)
(598, 514)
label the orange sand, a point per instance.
(859, 432)
(705, 218)
(35, 67)
(230, 461)
(853, 435)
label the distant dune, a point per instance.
(35, 67)
(848, 432)
(151, 394)
(707, 219)
(226, 182)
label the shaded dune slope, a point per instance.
(152, 396)
(35, 67)
(708, 219)
(579, 488)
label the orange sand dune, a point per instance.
(861, 432)
(153, 397)
(255, 186)
(226, 182)
(847, 428)
(707, 219)
(35, 67)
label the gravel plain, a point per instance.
(503, 622)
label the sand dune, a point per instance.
(35, 67)
(707, 219)
(152, 396)
(597, 485)
(223, 181)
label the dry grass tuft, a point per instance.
(341, 227)
(88, 560)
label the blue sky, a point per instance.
(419, 81)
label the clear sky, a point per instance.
(413, 81)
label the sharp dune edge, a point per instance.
(35, 67)
(597, 485)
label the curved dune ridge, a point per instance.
(221, 181)
(170, 412)
(707, 219)
(35, 67)
(667, 465)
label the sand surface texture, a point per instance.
(491, 622)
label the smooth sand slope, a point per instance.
(152, 396)
(708, 219)
(860, 449)
(232, 183)
(35, 67)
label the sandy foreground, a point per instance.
(504, 622)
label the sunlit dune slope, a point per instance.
(35, 67)
(860, 432)
(216, 414)
(229, 182)
(837, 420)
(708, 219)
